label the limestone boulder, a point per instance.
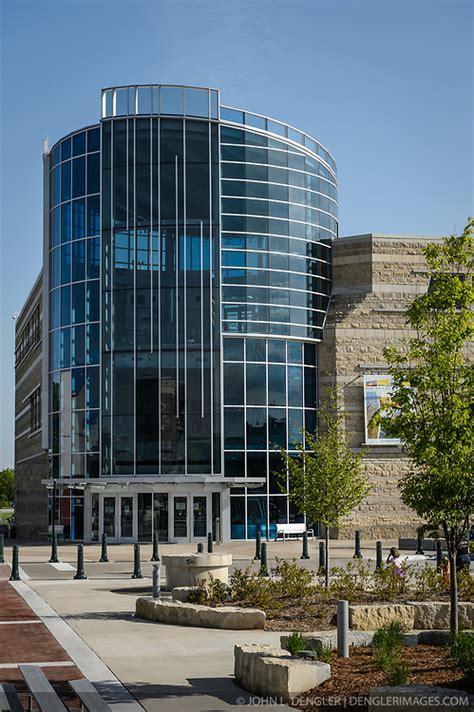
(191, 614)
(434, 615)
(374, 616)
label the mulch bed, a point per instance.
(352, 677)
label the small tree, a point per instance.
(7, 487)
(432, 403)
(326, 479)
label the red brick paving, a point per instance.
(31, 642)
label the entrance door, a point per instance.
(109, 517)
(118, 518)
(126, 533)
(180, 524)
(199, 516)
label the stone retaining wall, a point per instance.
(418, 615)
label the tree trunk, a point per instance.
(453, 593)
(326, 578)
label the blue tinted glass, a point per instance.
(78, 389)
(255, 349)
(78, 177)
(93, 258)
(214, 105)
(294, 352)
(276, 385)
(275, 127)
(277, 350)
(78, 261)
(56, 186)
(172, 100)
(295, 426)
(144, 100)
(78, 303)
(196, 102)
(295, 386)
(56, 266)
(54, 345)
(92, 301)
(93, 343)
(66, 263)
(78, 219)
(65, 305)
(277, 427)
(256, 384)
(78, 345)
(79, 144)
(93, 215)
(66, 149)
(256, 428)
(56, 218)
(66, 222)
(93, 140)
(66, 181)
(93, 388)
(233, 384)
(56, 155)
(234, 429)
(232, 115)
(258, 121)
(65, 349)
(56, 303)
(233, 349)
(93, 173)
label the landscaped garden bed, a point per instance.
(292, 593)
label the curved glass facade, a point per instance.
(189, 282)
(74, 304)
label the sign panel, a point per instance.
(377, 393)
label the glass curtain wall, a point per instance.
(160, 328)
(74, 307)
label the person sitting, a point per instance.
(393, 559)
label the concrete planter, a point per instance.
(190, 614)
(271, 672)
(191, 569)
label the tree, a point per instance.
(7, 487)
(326, 479)
(432, 402)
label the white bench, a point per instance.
(296, 529)
(58, 530)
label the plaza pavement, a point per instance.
(165, 668)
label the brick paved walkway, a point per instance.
(25, 639)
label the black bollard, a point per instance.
(378, 555)
(103, 555)
(80, 575)
(263, 562)
(258, 546)
(419, 545)
(210, 546)
(322, 558)
(200, 548)
(357, 551)
(15, 574)
(439, 555)
(155, 556)
(305, 554)
(2, 555)
(54, 549)
(137, 573)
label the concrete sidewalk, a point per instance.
(167, 668)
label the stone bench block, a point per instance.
(433, 615)
(374, 616)
(191, 614)
(271, 672)
(316, 641)
(429, 698)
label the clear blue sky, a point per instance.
(386, 85)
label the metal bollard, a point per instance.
(357, 551)
(2, 554)
(54, 549)
(263, 562)
(15, 574)
(210, 545)
(80, 575)
(439, 554)
(258, 546)
(322, 558)
(103, 555)
(378, 555)
(155, 556)
(419, 545)
(157, 579)
(137, 572)
(200, 548)
(343, 629)
(305, 554)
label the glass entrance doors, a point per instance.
(118, 518)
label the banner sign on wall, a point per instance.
(377, 393)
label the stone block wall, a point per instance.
(375, 277)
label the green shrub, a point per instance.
(427, 580)
(397, 673)
(466, 585)
(255, 591)
(462, 652)
(386, 647)
(295, 581)
(199, 595)
(210, 593)
(350, 582)
(389, 584)
(297, 642)
(324, 653)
